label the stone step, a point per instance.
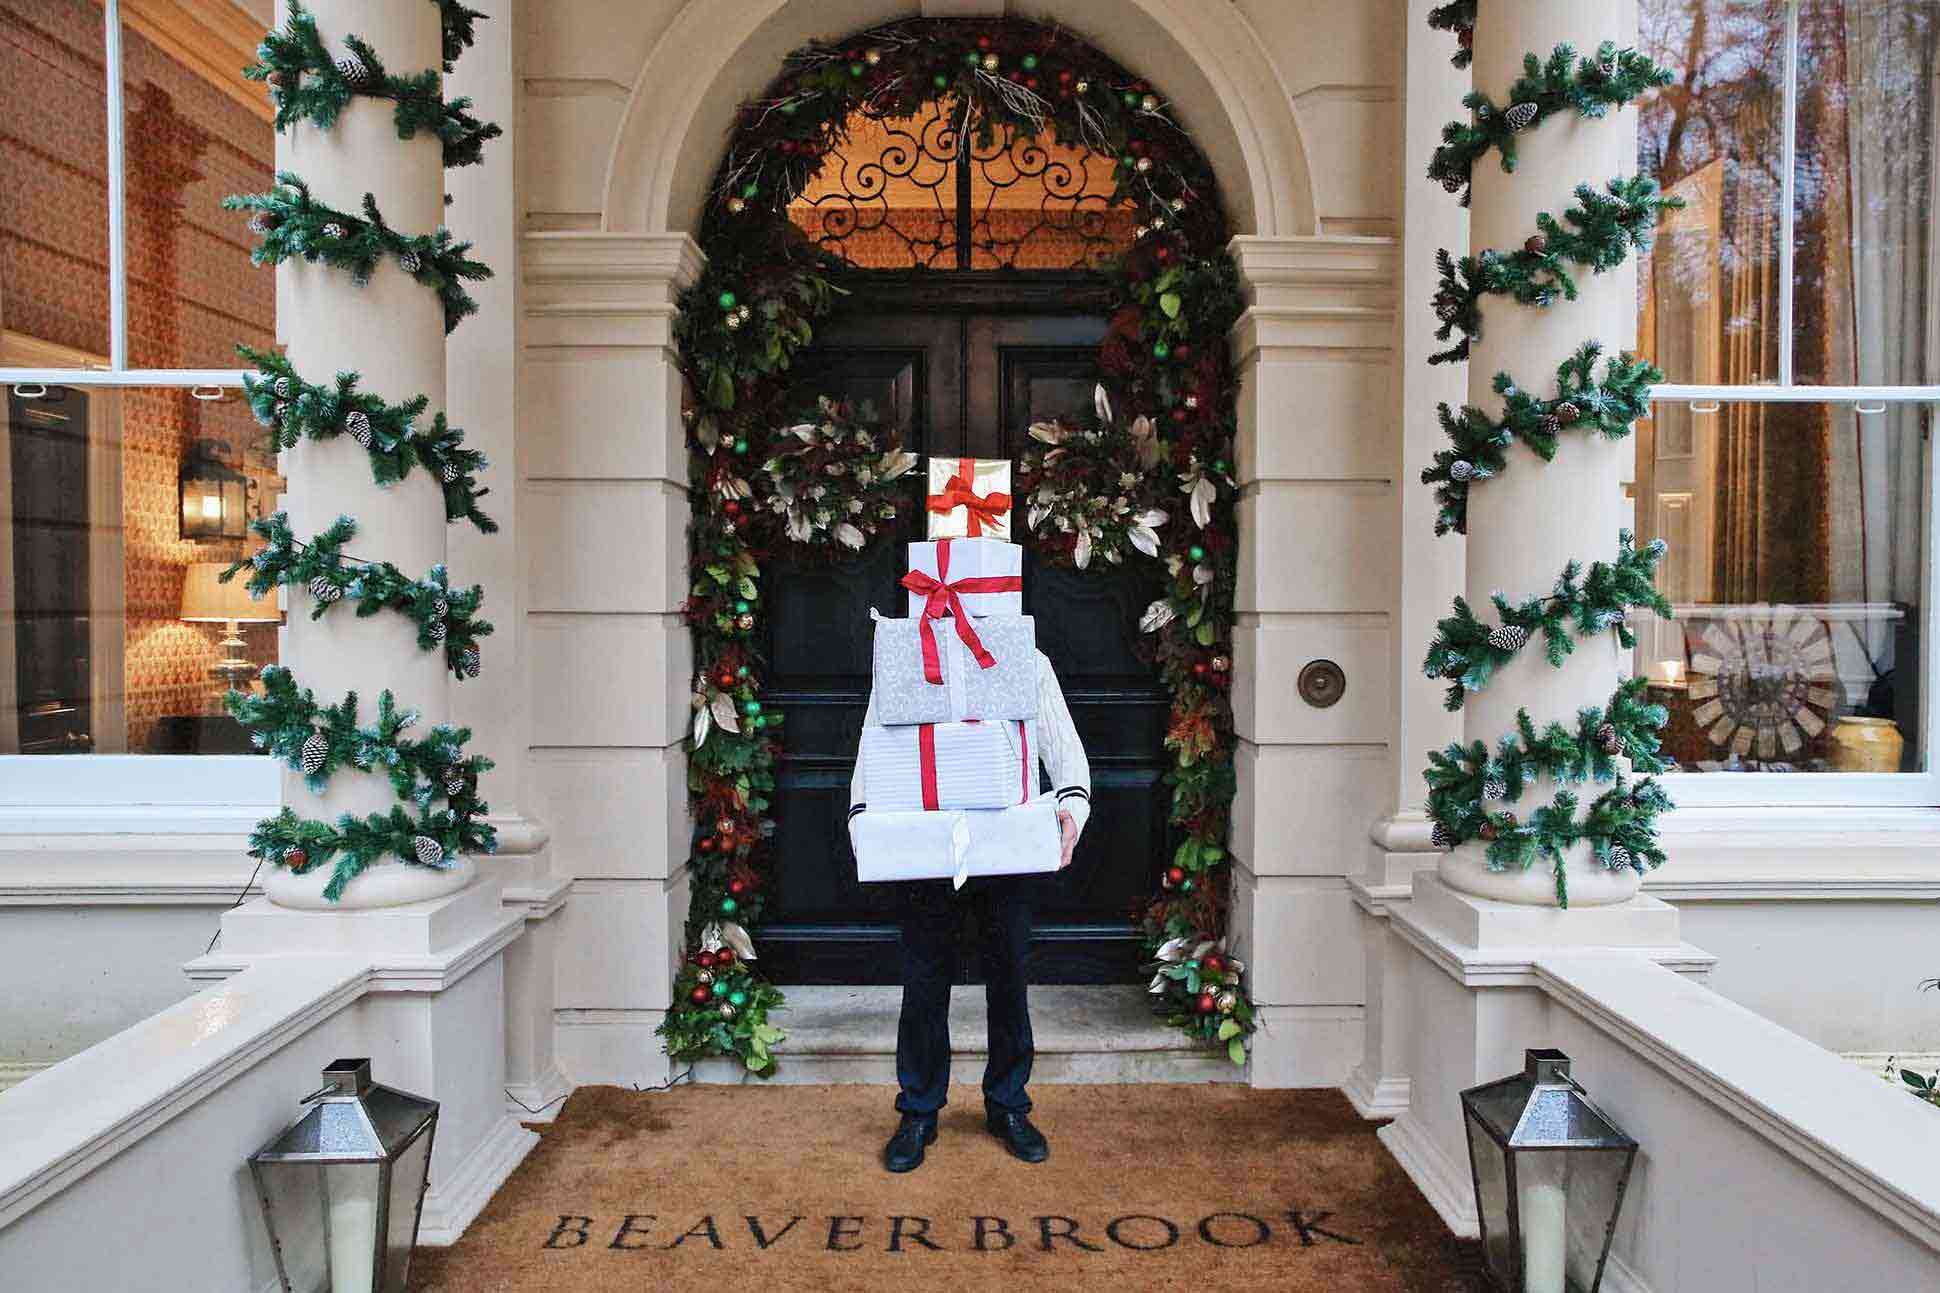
(1083, 1034)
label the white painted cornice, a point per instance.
(1316, 294)
(559, 259)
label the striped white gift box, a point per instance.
(975, 765)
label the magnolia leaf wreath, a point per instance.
(1471, 788)
(439, 816)
(774, 475)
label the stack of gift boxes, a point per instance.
(949, 751)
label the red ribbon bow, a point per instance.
(942, 598)
(958, 493)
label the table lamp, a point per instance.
(206, 599)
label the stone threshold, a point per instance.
(1083, 1034)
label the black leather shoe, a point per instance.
(904, 1152)
(1019, 1137)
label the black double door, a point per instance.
(961, 366)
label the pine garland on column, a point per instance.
(1476, 793)
(439, 816)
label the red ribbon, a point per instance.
(942, 598)
(957, 492)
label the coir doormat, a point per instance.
(780, 1188)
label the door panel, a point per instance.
(967, 382)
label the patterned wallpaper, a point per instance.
(192, 295)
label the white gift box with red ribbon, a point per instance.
(925, 671)
(957, 845)
(931, 766)
(986, 576)
(968, 498)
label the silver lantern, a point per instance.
(1550, 1171)
(343, 1186)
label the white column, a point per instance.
(1526, 524)
(391, 332)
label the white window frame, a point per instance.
(159, 792)
(1823, 789)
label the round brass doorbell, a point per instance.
(1322, 683)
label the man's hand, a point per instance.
(1068, 830)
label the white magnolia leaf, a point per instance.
(711, 938)
(1157, 616)
(799, 528)
(1173, 949)
(1101, 402)
(1202, 574)
(895, 463)
(1158, 984)
(848, 536)
(735, 487)
(1152, 517)
(724, 716)
(1144, 539)
(1082, 553)
(703, 725)
(737, 938)
(708, 434)
(1037, 515)
(1203, 495)
(803, 430)
(1047, 432)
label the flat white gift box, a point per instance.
(957, 845)
(974, 765)
(1006, 690)
(971, 559)
(985, 477)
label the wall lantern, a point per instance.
(1550, 1171)
(343, 1186)
(213, 494)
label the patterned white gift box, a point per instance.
(957, 845)
(1005, 690)
(969, 561)
(946, 765)
(968, 498)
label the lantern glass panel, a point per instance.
(352, 1192)
(294, 1209)
(1492, 1201)
(401, 1223)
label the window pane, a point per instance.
(1795, 566)
(53, 185)
(1864, 208)
(116, 509)
(1708, 292)
(196, 131)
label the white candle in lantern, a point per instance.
(1541, 1206)
(353, 1243)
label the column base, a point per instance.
(386, 884)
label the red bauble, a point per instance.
(1136, 147)
(700, 996)
(1182, 351)
(737, 887)
(1064, 77)
(1199, 667)
(1207, 1003)
(983, 42)
(1212, 964)
(297, 860)
(705, 960)
(1176, 875)
(707, 843)
(731, 507)
(724, 957)
(1179, 414)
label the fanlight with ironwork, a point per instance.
(931, 191)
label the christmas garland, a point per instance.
(293, 224)
(1589, 87)
(445, 617)
(1621, 825)
(1478, 444)
(295, 410)
(307, 84)
(739, 327)
(286, 720)
(1606, 227)
(316, 740)
(1469, 652)
(1466, 784)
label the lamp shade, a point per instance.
(206, 597)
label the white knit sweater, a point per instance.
(1053, 737)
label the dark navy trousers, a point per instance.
(932, 915)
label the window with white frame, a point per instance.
(129, 463)
(1793, 305)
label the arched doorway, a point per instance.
(973, 307)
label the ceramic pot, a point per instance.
(1866, 744)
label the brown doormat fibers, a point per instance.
(780, 1188)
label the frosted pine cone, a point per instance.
(1508, 637)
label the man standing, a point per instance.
(1004, 907)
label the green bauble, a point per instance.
(720, 988)
(1221, 466)
(1131, 100)
(751, 188)
(972, 60)
(729, 906)
(855, 69)
(1196, 553)
(727, 300)
(740, 445)
(1160, 350)
(940, 81)
(1186, 887)
(741, 671)
(738, 998)
(742, 608)
(1030, 62)
(750, 707)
